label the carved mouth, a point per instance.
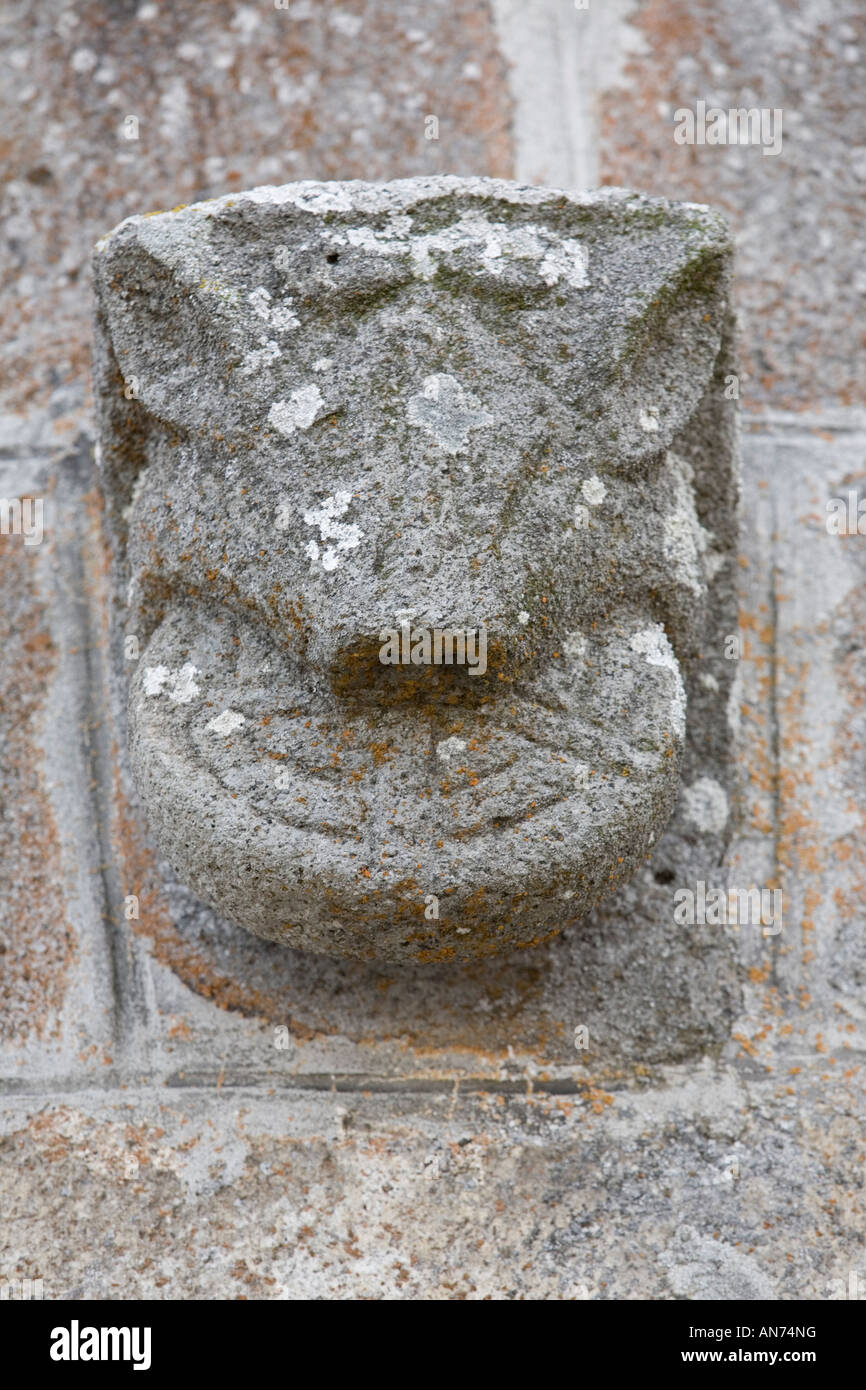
(283, 785)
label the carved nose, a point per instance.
(420, 651)
(438, 635)
(425, 615)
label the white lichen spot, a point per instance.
(306, 195)
(283, 779)
(494, 244)
(279, 316)
(184, 688)
(708, 681)
(649, 419)
(566, 261)
(181, 684)
(323, 364)
(706, 805)
(259, 301)
(283, 317)
(447, 412)
(580, 774)
(267, 352)
(345, 535)
(594, 491)
(226, 723)
(387, 242)
(523, 617)
(154, 679)
(447, 747)
(299, 412)
(652, 643)
(574, 645)
(581, 517)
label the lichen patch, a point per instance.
(181, 686)
(594, 490)
(299, 412)
(345, 535)
(226, 723)
(447, 412)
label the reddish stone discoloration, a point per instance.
(37, 938)
(172, 1196)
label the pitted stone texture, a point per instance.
(325, 407)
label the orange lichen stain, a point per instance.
(180, 1029)
(598, 1100)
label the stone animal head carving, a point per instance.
(341, 420)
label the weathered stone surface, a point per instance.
(669, 1193)
(461, 405)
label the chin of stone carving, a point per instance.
(337, 417)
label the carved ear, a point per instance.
(668, 290)
(176, 343)
(166, 323)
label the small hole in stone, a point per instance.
(332, 257)
(664, 875)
